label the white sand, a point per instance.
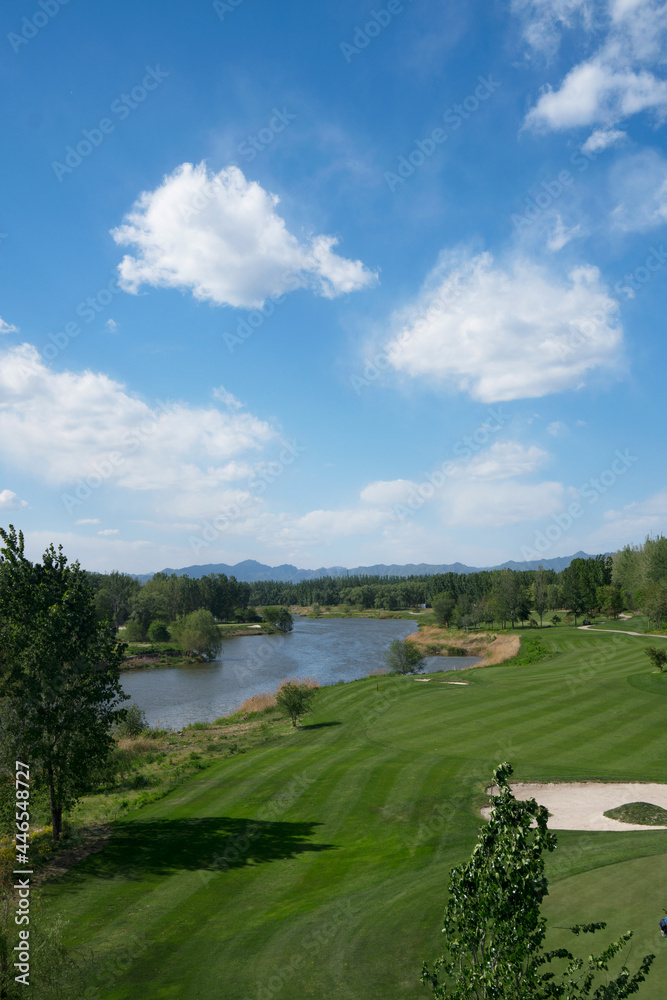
(580, 805)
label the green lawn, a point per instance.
(340, 838)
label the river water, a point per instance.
(328, 649)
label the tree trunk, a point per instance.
(56, 809)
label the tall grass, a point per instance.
(267, 699)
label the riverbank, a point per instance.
(491, 647)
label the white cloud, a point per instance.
(618, 80)
(388, 491)
(7, 327)
(109, 532)
(603, 138)
(220, 236)
(556, 428)
(88, 520)
(228, 399)
(544, 20)
(97, 429)
(111, 325)
(10, 501)
(490, 490)
(639, 189)
(634, 521)
(502, 333)
(560, 235)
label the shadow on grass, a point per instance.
(163, 847)
(325, 725)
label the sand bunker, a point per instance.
(581, 805)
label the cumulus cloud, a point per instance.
(633, 522)
(67, 426)
(639, 189)
(7, 327)
(388, 491)
(220, 236)
(502, 333)
(619, 79)
(493, 488)
(10, 501)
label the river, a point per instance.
(328, 649)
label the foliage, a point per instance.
(134, 631)
(494, 931)
(404, 657)
(294, 700)
(134, 722)
(658, 657)
(531, 650)
(158, 632)
(199, 635)
(280, 617)
(59, 672)
(443, 605)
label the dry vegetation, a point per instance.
(267, 699)
(493, 648)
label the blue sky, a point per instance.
(332, 284)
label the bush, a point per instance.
(294, 700)
(134, 631)
(404, 657)
(134, 722)
(199, 635)
(158, 632)
(280, 617)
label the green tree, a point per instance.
(158, 632)
(494, 931)
(199, 635)
(404, 657)
(658, 657)
(294, 700)
(610, 600)
(134, 631)
(540, 593)
(443, 606)
(59, 672)
(280, 617)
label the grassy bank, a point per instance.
(315, 864)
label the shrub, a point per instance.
(134, 722)
(404, 658)
(198, 634)
(294, 700)
(158, 632)
(134, 631)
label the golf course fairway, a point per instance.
(317, 866)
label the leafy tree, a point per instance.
(610, 600)
(494, 931)
(158, 632)
(60, 688)
(280, 617)
(540, 595)
(134, 722)
(404, 657)
(199, 635)
(134, 631)
(658, 657)
(553, 597)
(294, 700)
(556, 619)
(443, 605)
(572, 593)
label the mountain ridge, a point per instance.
(252, 571)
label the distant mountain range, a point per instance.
(250, 571)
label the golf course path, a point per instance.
(581, 805)
(620, 631)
